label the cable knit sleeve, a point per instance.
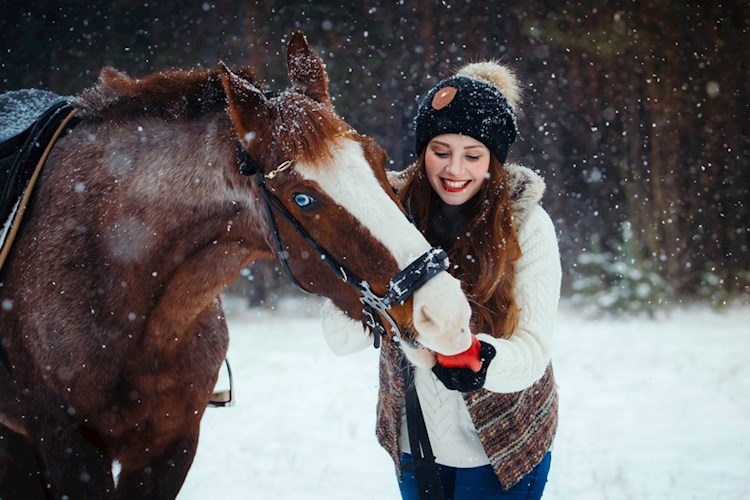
(522, 359)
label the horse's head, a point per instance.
(329, 199)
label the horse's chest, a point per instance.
(152, 407)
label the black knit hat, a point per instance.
(478, 101)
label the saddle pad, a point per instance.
(19, 109)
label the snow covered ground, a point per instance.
(650, 409)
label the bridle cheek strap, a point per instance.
(375, 307)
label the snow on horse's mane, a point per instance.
(172, 94)
(300, 124)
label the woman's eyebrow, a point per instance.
(448, 145)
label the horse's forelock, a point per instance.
(305, 129)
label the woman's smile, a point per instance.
(453, 186)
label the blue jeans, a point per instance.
(477, 483)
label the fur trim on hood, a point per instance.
(526, 190)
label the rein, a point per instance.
(422, 459)
(400, 288)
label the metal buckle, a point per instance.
(273, 173)
(373, 303)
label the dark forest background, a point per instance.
(636, 112)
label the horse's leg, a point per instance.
(73, 462)
(20, 476)
(163, 477)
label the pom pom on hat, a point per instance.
(502, 77)
(480, 101)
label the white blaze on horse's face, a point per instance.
(441, 311)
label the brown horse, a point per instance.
(111, 315)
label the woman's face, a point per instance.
(456, 166)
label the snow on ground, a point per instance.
(650, 409)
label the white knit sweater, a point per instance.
(520, 360)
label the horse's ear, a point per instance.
(305, 68)
(247, 105)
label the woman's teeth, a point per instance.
(449, 184)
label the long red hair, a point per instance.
(483, 247)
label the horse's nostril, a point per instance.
(425, 316)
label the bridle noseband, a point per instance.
(400, 288)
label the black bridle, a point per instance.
(400, 288)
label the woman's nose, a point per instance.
(454, 166)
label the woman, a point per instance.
(490, 430)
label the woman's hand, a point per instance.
(467, 359)
(461, 376)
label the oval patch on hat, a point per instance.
(443, 97)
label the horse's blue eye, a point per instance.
(302, 200)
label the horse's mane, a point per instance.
(301, 125)
(171, 94)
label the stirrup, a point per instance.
(223, 398)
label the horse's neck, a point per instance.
(174, 201)
(183, 165)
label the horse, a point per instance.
(165, 189)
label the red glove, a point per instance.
(467, 359)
